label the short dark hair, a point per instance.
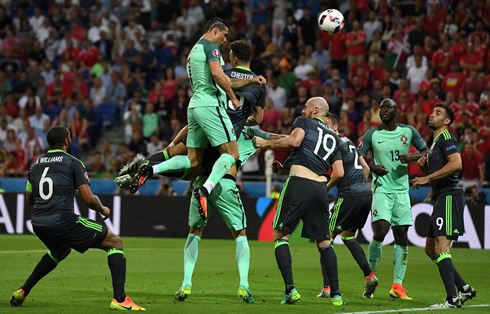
(242, 50)
(215, 22)
(449, 112)
(56, 136)
(335, 118)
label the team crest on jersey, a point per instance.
(216, 53)
(375, 213)
(404, 139)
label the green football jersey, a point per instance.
(206, 92)
(386, 148)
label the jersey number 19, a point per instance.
(324, 140)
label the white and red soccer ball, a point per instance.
(331, 21)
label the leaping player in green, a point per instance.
(206, 114)
(389, 144)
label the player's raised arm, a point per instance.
(224, 82)
(239, 83)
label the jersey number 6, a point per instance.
(45, 179)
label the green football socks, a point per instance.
(190, 258)
(400, 254)
(374, 254)
(243, 259)
(174, 164)
(220, 168)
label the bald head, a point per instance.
(319, 105)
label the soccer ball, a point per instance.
(331, 21)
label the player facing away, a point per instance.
(304, 194)
(206, 114)
(51, 185)
(389, 144)
(351, 208)
(442, 164)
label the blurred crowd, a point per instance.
(92, 64)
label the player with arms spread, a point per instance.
(389, 144)
(351, 208)
(304, 194)
(442, 165)
(51, 185)
(207, 118)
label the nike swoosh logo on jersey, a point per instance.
(381, 142)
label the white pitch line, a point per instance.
(41, 251)
(410, 310)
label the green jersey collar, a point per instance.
(56, 151)
(243, 68)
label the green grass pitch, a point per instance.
(82, 284)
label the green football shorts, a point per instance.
(392, 207)
(225, 197)
(245, 149)
(208, 123)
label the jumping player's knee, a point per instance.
(196, 231)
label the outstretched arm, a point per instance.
(288, 142)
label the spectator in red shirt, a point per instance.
(404, 87)
(453, 80)
(472, 167)
(361, 62)
(427, 49)
(11, 107)
(430, 102)
(355, 42)
(471, 61)
(78, 90)
(71, 50)
(441, 60)
(379, 70)
(88, 54)
(271, 116)
(473, 85)
(337, 48)
(14, 163)
(458, 47)
(479, 32)
(311, 80)
(76, 30)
